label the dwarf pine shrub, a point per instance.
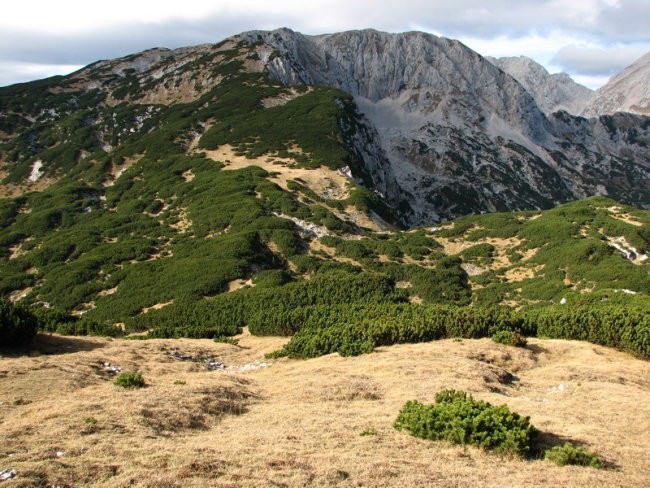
(129, 379)
(570, 454)
(458, 418)
(509, 338)
(18, 325)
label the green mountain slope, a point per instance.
(195, 214)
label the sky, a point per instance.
(589, 39)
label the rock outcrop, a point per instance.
(552, 92)
(628, 91)
(440, 130)
(460, 134)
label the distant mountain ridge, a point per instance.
(440, 131)
(460, 135)
(628, 91)
(552, 92)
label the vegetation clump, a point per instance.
(129, 379)
(510, 338)
(458, 418)
(226, 340)
(569, 454)
(18, 325)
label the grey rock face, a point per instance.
(441, 131)
(552, 92)
(458, 133)
(629, 91)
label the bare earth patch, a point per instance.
(326, 183)
(235, 285)
(118, 170)
(616, 213)
(502, 246)
(299, 423)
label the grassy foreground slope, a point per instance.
(323, 422)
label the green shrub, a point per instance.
(358, 328)
(18, 325)
(86, 327)
(226, 340)
(129, 379)
(570, 454)
(458, 418)
(613, 326)
(509, 338)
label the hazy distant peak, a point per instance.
(552, 92)
(628, 91)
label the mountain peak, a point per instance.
(436, 129)
(628, 91)
(552, 92)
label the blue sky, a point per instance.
(589, 39)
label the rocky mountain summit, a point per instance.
(461, 135)
(552, 92)
(628, 91)
(438, 131)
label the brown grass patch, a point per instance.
(235, 285)
(12, 190)
(118, 170)
(616, 213)
(299, 423)
(522, 273)
(502, 246)
(183, 224)
(283, 98)
(318, 246)
(157, 306)
(326, 183)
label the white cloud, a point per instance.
(67, 16)
(541, 48)
(593, 82)
(16, 72)
(595, 61)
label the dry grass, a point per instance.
(616, 213)
(299, 423)
(237, 284)
(502, 246)
(11, 190)
(327, 183)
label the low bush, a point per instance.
(357, 328)
(129, 379)
(509, 338)
(18, 325)
(612, 326)
(570, 454)
(85, 327)
(458, 418)
(226, 340)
